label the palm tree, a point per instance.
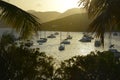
(105, 15)
(24, 23)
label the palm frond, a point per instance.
(105, 15)
(24, 23)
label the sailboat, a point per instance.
(115, 34)
(62, 46)
(68, 36)
(113, 50)
(56, 33)
(86, 38)
(42, 40)
(51, 36)
(29, 43)
(65, 41)
(97, 43)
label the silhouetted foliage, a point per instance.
(105, 15)
(94, 66)
(22, 22)
(20, 63)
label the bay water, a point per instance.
(73, 49)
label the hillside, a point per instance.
(74, 19)
(49, 16)
(76, 22)
(72, 11)
(45, 16)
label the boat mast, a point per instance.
(44, 34)
(60, 37)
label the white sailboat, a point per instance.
(68, 36)
(51, 36)
(65, 41)
(28, 43)
(86, 38)
(97, 43)
(115, 34)
(56, 33)
(42, 40)
(113, 49)
(62, 46)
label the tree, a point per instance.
(24, 23)
(105, 15)
(22, 63)
(94, 66)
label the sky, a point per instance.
(45, 5)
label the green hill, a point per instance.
(53, 15)
(72, 11)
(45, 16)
(76, 22)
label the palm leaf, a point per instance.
(105, 15)
(24, 23)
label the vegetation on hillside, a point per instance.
(21, 63)
(76, 22)
(53, 15)
(94, 66)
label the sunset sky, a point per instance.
(45, 5)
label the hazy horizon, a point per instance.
(46, 5)
(55, 11)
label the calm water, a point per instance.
(75, 48)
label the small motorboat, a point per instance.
(51, 36)
(28, 43)
(69, 37)
(85, 39)
(115, 34)
(113, 50)
(65, 42)
(42, 40)
(56, 33)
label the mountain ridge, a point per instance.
(53, 15)
(76, 18)
(75, 22)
